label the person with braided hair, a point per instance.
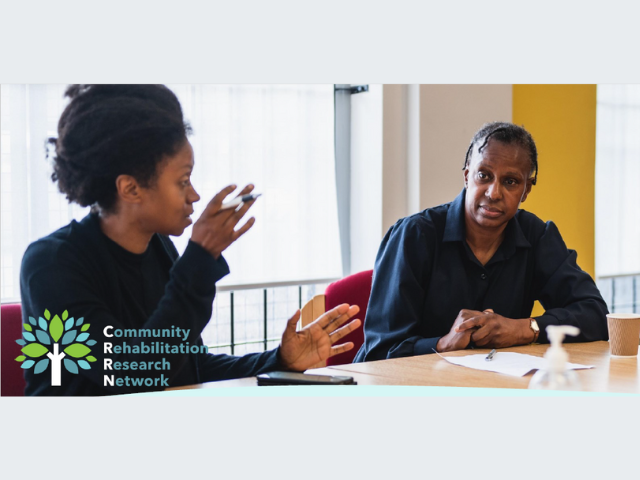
(468, 272)
(124, 151)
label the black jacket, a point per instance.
(73, 269)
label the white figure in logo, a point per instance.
(56, 363)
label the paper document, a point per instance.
(516, 364)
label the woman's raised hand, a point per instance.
(215, 230)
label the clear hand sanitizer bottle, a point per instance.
(556, 376)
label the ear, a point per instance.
(527, 190)
(466, 177)
(129, 189)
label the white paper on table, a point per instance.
(510, 363)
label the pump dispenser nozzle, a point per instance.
(556, 376)
(556, 333)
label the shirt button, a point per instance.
(483, 276)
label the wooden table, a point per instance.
(619, 375)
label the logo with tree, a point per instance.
(47, 336)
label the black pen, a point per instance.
(491, 355)
(238, 200)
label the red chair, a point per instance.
(13, 382)
(354, 290)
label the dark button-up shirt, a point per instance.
(425, 273)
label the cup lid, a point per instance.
(623, 315)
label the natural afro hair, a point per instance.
(509, 134)
(111, 130)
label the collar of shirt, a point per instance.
(454, 231)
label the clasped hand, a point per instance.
(485, 329)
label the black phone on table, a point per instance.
(295, 378)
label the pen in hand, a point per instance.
(492, 353)
(239, 200)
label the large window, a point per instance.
(618, 195)
(279, 137)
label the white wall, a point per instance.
(395, 154)
(407, 151)
(449, 117)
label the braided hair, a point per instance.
(111, 130)
(509, 134)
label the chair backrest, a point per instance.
(12, 383)
(312, 310)
(354, 290)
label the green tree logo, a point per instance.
(47, 336)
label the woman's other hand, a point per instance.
(315, 342)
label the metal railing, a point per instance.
(251, 318)
(621, 292)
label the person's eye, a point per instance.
(482, 175)
(511, 182)
(186, 183)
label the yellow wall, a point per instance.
(562, 120)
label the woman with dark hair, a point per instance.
(468, 272)
(123, 150)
